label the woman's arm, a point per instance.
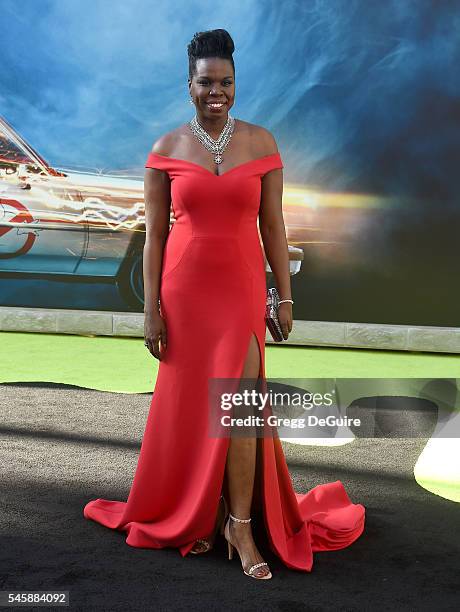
(157, 199)
(273, 233)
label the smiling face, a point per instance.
(213, 87)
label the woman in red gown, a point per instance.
(205, 295)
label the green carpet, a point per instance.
(124, 365)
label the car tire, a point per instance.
(130, 279)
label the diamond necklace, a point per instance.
(214, 146)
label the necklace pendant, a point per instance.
(214, 146)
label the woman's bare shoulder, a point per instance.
(266, 143)
(165, 143)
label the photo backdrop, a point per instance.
(363, 98)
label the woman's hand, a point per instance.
(285, 318)
(155, 332)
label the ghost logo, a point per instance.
(15, 212)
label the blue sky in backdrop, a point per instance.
(361, 95)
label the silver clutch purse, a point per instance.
(271, 314)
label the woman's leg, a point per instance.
(240, 474)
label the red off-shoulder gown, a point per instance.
(213, 296)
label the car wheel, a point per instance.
(130, 281)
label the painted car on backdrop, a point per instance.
(72, 223)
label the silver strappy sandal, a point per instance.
(205, 545)
(231, 546)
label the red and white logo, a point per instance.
(15, 212)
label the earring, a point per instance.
(191, 101)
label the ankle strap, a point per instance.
(238, 520)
